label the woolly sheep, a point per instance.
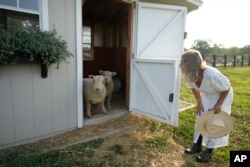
(109, 84)
(94, 92)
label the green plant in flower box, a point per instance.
(6, 47)
(32, 45)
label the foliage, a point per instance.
(202, 46)
(208, 47)
(6, 48)
(44, 46)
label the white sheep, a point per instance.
(94, 92)
(109, 84)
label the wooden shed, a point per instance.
(141, 40)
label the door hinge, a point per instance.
(171, 97)
(185, 35)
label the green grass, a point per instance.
(62, 157)
(82, 154)
(118, 149)
(156, 142)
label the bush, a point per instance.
(6, 48)
(36, 45)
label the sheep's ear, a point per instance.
(101, 72)
(114, 73)
(91, 76)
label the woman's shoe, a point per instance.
(204, 157)
(194, 149)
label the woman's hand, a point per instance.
(217, 108)
(199, 108)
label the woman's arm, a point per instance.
(217, 106)
(199, 108)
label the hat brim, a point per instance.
(225, 117)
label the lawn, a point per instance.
(146, 142)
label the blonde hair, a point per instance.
(194, 65)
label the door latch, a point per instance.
(185, 35)
(171, 97)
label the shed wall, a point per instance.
(32, 107)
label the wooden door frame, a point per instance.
(129, 50)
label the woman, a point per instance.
(212, 91)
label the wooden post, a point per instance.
(214, 60)
(225, 60)
(248, 60)
(242, 60)
(234, 61)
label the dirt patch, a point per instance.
(129, 131)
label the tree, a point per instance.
(207, 47)
(202, 45)
(245, 49)
(217, 49)
(234, 51)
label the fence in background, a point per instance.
(225, 60)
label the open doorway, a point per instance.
(107, 40)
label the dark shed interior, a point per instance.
(110, 24)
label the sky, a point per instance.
(225, 22)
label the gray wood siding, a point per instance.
(32, 107)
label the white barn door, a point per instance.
(155, 72)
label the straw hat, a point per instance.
(215, 125)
